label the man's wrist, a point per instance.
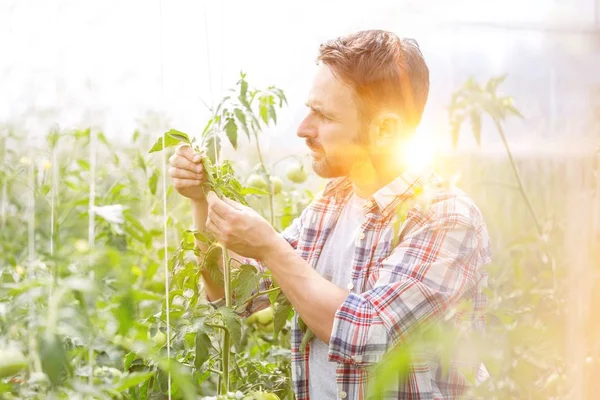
(198, 202)
(275, 249)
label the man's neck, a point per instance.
(368, 179)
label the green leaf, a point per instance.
(201, 236)
(264, 112)
(494, 108)
(179, 136)
(274, 295)
(253, 190)
(53, 357)
(12, 362)
(158, 146)
(476, 126)
(218, 110)
(272, 113)
(233, 324)
(212, 142)
(125, 313)
(494, 82)
(207, 128)
(203, 346)
(231, 130)
(136, 136)
(396, 365)
(140, 295)
(306, 338)
(281, 96)
(141, 162)
(153, 181)
(283, 310)
(171, 138)
(243, 88)
(102, 138)
(245, 282)
(211, 263)
(242, 119)
(83, 164)
(129, 358)
(513, 110)
(132, 379)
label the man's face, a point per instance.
(333, 128)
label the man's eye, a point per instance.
(323, 116)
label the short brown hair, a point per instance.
(386, 72)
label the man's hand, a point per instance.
(241, 229)
(187, 173)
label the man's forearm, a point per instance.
(214, 290)
(313, 297)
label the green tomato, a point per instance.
(160, 339)
(296, 173)
(251, 320)
(266, 328)
(265, 316)
(12, 362)
(261, 396)
(262, 317)
(257, 181)
(276, 183)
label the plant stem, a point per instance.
(255, 295)
(217, 326)
(518, 177)
(225, 355)
(264, 168)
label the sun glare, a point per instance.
(419, 154)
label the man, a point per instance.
(362, 286)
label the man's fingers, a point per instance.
(216, 218)
(186, 183)
(211, 226)
(217, 205)
(234, 204)
(184, 174)
(181, 162)
(185, 150)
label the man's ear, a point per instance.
(385, 129)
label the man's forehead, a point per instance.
(328, 91)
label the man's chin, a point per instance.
(326, 171)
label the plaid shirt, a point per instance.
(398, 289)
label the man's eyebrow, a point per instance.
(316, 106)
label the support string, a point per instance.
(164, 187)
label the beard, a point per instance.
(337, 164)
(329, 166)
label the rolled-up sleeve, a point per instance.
(429, 270)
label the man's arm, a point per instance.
(437, 262)
(313, 297)
(428, 271)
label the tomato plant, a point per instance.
(85, 317)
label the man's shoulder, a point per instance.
(451, 204)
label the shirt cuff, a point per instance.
(357, 337)
(217, 303)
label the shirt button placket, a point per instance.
(343, 395)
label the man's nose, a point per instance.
(307, 128)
